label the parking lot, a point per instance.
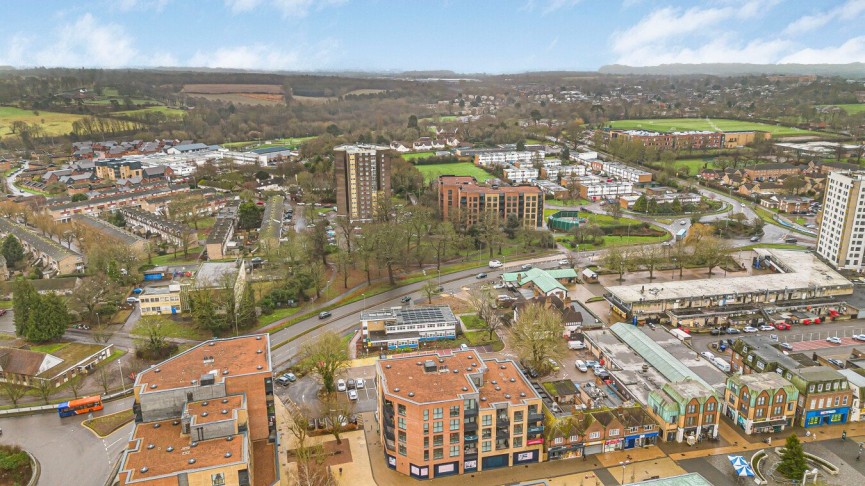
(305, 391)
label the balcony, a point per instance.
(502, 421)
(470, 426)
(536, 429)
(470, 454)
(502, 445)
(535, 417)
(470, 412)
(470, 438)
(503, 433)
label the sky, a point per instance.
(465, 36)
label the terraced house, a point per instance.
(52, 257)
(454, 413)
(760, 403)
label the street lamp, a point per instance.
(122, 382)
(364, 301)
(624, 464)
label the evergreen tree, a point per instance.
(12, 250)
(641, 204)
(24, 298)
(48, 320)
(793, 463)
(512, 224)
(676, 206)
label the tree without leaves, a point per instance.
(45, 389)
(90, 293)
(153, 328)
(13, 391)
(536, 336)
(712, 252)
(76, 383)
(337, 412)
(104, 379)
(483, 302)
(617, 260)
(326, 357)
(650, 257)
(431, 289)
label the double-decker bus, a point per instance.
(79, 406)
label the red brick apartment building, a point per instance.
(461, 197)
(454, 413)
(205, 417)
(671, 140)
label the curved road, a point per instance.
(10, 181)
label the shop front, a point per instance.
(570, 451)
(492, 462)
(526, 457)
(831, 416)
(613, 445)
(470, 465)
(640, 440)
(592, 448)
(447, 469)
(769, 426)
(419, 472)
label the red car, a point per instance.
(3, 312)
(782, 326)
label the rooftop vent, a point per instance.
(513, 380)
(411, 394)
(258, 338)
(469, 368)
(429, 366)
(212, 343)
(418, 363)
(522, 394)
(205, 403)
(176, 422)
(258, 351)
(507, 396)
(191, 461)
(229, 438)
(153, 386)
(387, 366)
(494, 382)
(157, 425)
(483, 399)
(144, 469)
(475, 365)
(194, 381)
(498, 388)
(224, 411)
(259, 367)
(224, 372)
(169, 449)
(456, 371)
(396, 390)
(157, 370)
(465, 388)
(441, 360)
(224, 400)
(193, 444)
(503, 367)
(227, 454)
(150, 446)
(207, 379)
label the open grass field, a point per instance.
(851, 108)
(242, 98)
(417, 155)
(169, 112)
(227, 88)
(432, 171)
(694, 165)
(53, 123)
(678, 124)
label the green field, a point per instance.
(279, 142)
(169, 112)
(52, 123)
(680, 124)
(694, 165)
(417, 155)
(851, 109)
(432, 171)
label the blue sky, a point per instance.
(469, 36)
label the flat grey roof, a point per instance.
(213, 274)
(805, 271)
(412, 315)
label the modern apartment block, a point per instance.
(406, 328)
(694, 139)
(362, 177)
(454, 413)
(205, 416)
(841, 240)
(461, 197)
(495, 157)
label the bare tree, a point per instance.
(327, 356)
(104, 379)
(13, 391)
(45, 388)
(536, 336)
(483, 302)
(431, 289)
(76, 383)
(649, 257)
(337, 412)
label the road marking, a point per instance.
(111, 444)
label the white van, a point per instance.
(576, 345)
(581, 365)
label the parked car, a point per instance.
(131, 300)
(597, 370)
(481, 276)
(352, 395)
(749, 329)
(755, 239)
(782, 326)
(495, 264)
(859, 337)
(406, 299)
(282, 380)
(340, 385)
(715, 332)
(787, 346)
(564, 262)
(592, 363)
(707, 355)
(554, 365)
(733, 330)
(360, 383)
(526, 266)
(499, 285)
(576, 345)
(351, 384)
(581, 365)
(836, 362)
(833, 340)
(766, 327)
(324, 315)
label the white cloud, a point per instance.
(849, 10)
(722, 49)
(266, 57)
(853, 50)
(86, 42)
(668, 23)
(289, 8)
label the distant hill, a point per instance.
(852, 70)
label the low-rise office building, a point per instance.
(594, 190)
(760, 403)
(543, 282)
(407, 327)
(161, 300)
(454, 413)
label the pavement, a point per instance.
(68, 452)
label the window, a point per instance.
(455, 438)
(518, 429)
(487, 433)
(845, 400)
(761, 400)
(426, 456)
(455, 424)
(710, 407)
(779, 398)
(401, 437)
(518, 416)
(486, 446)
(518, 442)
(438, 413)
(402, 449)
(487, 420)
(455, 411)
(690, 421)
(692, 408)
(613, 432)
(594, 435)
(425, 429)
(759, 413)
(572, 438)
(777, 410)
(438, 440)
(217, 479)
(426, 414)
(438, 427)
(401, 422)
(400, 409)
(455, 451)
(438, 454)
(425, 442)
(558, 440)
(790, 407)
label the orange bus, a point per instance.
(79, 406)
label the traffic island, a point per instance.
(106, 425)
(17, 466)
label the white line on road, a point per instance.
(112, 444)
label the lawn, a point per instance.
(566, 202)
(611, 241)
(106, 424)
(417, 155)
(170, 259)
(47, 348)
(52, 123)
(175, 330)
(679, 124)
(15, 466)
(851, 109)
(276, 315)
(607, 220)
(694, 165)
(6, 304)
(432, 171)
(473, 322)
